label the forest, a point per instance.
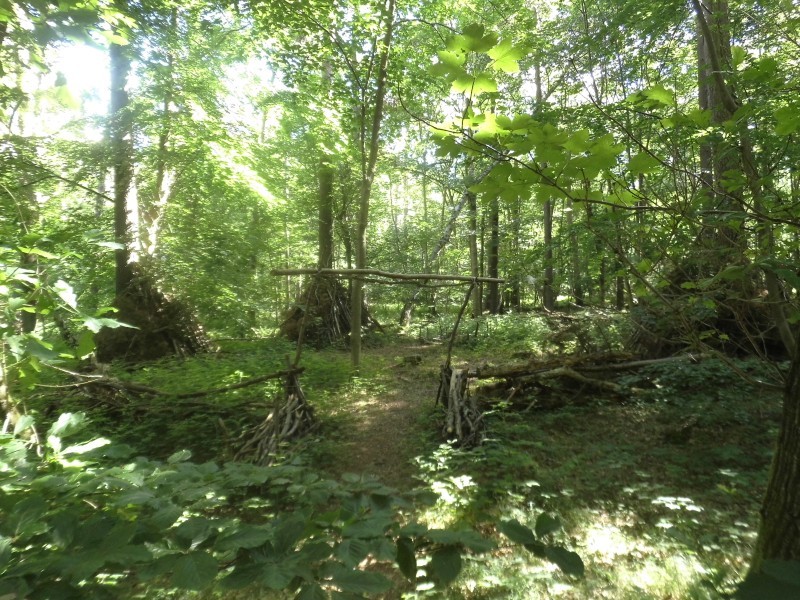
(326, 299)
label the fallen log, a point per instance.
(595, 363)
(517, 381)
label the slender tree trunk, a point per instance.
(704, 100)
(121, 139)
(493, 264)
(516, 213)
(575, 256)
(474, 261)
(724, 241)
(619, 293)
(325, 178)
(154, 206)
(357, 286)
(548, 297)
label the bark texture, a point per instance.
(779, 534)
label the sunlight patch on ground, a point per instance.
(661, 577)
(607, 541)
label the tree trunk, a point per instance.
(724, 242)
(357, 286)
(515, 300)
(493, 264)
(575, 256)
(474, 259)
(121, 139)
(154, 205)
(325, 177)
(548, 297)
(779, 533)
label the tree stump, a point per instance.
(463, 419)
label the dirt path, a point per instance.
(389, 422)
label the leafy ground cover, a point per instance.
(658, 492)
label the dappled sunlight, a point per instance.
(605, 542)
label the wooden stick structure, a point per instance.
(291, 418)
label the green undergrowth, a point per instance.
(659, 494)
(657, 491)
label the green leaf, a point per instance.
(352, 551)
(249, 537)
(5, 552)
(86, 446)
(474, 31)
(311, 591)
(114, 38)
(545, 525)
(193, 531)
(23, 423)
(787, 120)
(359, 582)
(37, 252)
(566, 560)
(407, 558)
(315, 552)
(484, 83)
(733, 273)
(276, 576)
(452, 59)
(66, 293)
(475, 38)
(445, 565)
(39, 349)
(67, 424)
(194, 571)
(642, 163)
(179, 457)
(701, 118)
(289, 533)
(505, 56)
(26, 517)
(517, 532)
(86, 345)
(578, 142)
(660, 95)
(367, 528)
(739, 55)
(242, 576)
(95, 324)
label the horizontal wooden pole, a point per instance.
(353, 273)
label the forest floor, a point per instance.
(384, 436)
(658, 492)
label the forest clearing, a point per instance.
(326, 299)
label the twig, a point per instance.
(143, 389)
(458, 321)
